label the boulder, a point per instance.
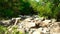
(45, 23)
(55, 28)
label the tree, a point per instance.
(13, 8)
(46, 8)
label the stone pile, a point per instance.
(36, 25)
(40, 25)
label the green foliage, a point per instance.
(46, 8)
(13, 8)
(57, 11)
(2, 29)
(13, 30)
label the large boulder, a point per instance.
(55, 28)
(45, 23)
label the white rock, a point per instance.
(36, 19)
(45, 30)
(47, 21)
(39, 18)
(6, 21)
(28, 19)
(31, 24)
(40, 29)
(36, 32)
(16, 18)
(53, 20)
(20, 26)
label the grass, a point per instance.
(4, 30)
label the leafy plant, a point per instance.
(2, 29)
(46, 8)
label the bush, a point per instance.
(2, 29)
(46, 8)
(13, 8)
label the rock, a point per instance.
(55, 28)
(16, 18)
(26, 16)
(14, 21)
(29, 25)
(5, 22)
(21, 16)
(36, 32)
(26, 25)
(20, 25)
(44, 30)
(21, 30)
(37, 25)
(53, 20)
(45, 23)
(28, 19)
(32, 29)
(36, 16)
(39, 18)
(39, 31)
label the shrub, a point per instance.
(46, 8)
(2, 29)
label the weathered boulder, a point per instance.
(45, 23)
(55, 28)
(5, 22)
